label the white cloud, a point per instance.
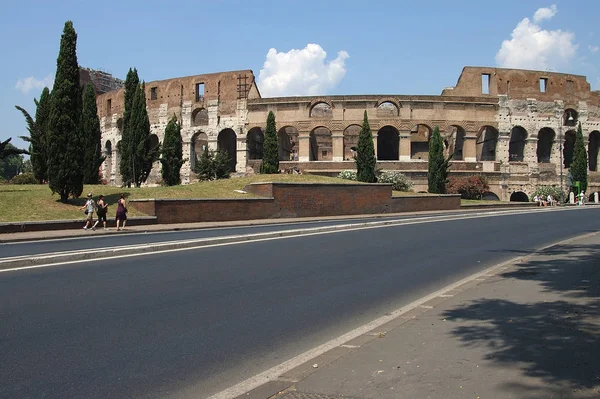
(593, 49)
(301, 72)
(30, 83)
(544, 13)
(532, 47)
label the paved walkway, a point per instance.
(526, 330)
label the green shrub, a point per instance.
(24, 178)
(213, 165)
(347, 175)
(399, 181)
(469, 187)
(554, 191)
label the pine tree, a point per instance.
(172, 153)
(65, 155)
(579, 166)
(91, 137)
(132, 82)
(438, 166)
(7, 149)
(270, 161)
(143, 155)
(365, 157)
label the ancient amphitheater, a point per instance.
(516, 127)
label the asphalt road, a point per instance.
(195, 322)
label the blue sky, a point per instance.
(295, 47)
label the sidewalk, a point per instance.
(525, 330)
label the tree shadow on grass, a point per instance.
(556, 340)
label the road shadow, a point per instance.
(555, 339)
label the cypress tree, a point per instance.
(579, 166)
(132, 81)
(142, 153)
(65, 155)
(91, 137)
(270, 162)
(438, 166)
(39, 146)
(365, 157)
(172, 153)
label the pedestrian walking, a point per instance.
(89, 207)
(102, 208)
(581, 197)
(121, 212)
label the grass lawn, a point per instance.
(481, 202)
(36, 202)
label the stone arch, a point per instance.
(516, 144)
(419, 141)
(227, 141)
(519, 196)
(593, 147)
(388, 144)
(321, 110)
(490, 196)
(570, 117)
(254, 143)
(200, 117)
(287, 141)
(569, 148)
(455, 136)
(487, 139)
(544, 144)
(387, 109)
(198, 145)
(321, 144)
(351, 134)
(108, 153)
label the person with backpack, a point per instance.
(89, 207)
(102, 208)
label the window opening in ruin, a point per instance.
(287, 137)
(516, 146)
(508, 87)
(219, 90)
(388, 143)
(108, 107)
(486, 144)
(321, 110)
(544, 145)
(254, 143)
(593, 147)
(569, 148)
(199, 91)
(570, 117)
(543, 85)
(485, 83)
(227, 140)
(153, 93)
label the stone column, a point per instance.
(337, 139)
(241, 152)
(303, 146)
(470, 147)
(404, 150)
(375, 144)
(502, 147)
(530, 151)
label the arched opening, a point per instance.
(419, 142)
(487, 139)
(254, 143)
(569, 148)
(456, 142)
(490, 196)
(109, 158)
(592, 197)
(321, 144)
(287, 140)
(227, 141)
(199, 144)
(200, 117)
(387, 109)
(388, 143)
(544, 144)
(570, 117)
(593, 146)
(516, 145)
(519, 196)
(351, 134)
(321, 111)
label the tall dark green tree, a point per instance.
(11, 165)
(172, 153)
(132, 81)
(91, 137)
(65, 155)
(270, 161)
(38, 130)
(438, 166)
(365, 154)
(579, 166)
(141, 149)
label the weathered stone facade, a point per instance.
(504, 123)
